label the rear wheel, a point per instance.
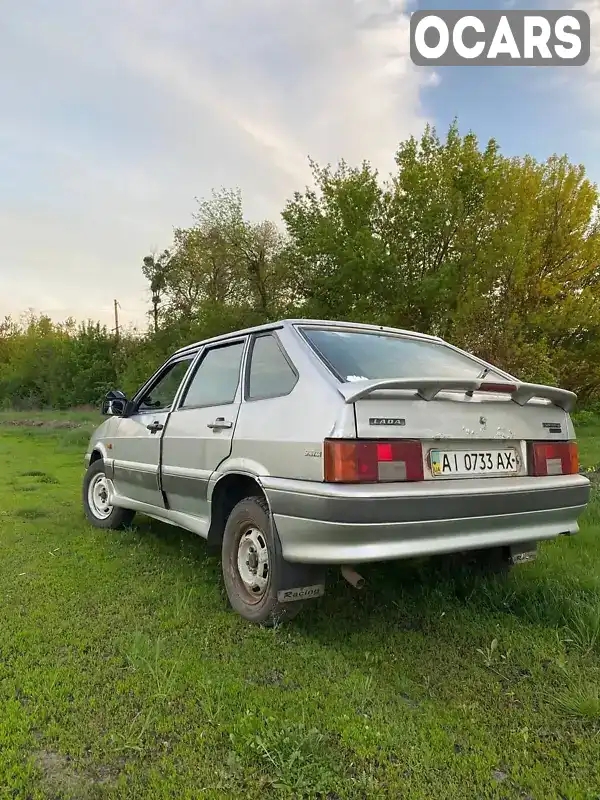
(253, 565)
(99, 512)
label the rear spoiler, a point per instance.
(428, 388)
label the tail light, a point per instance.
(360, 461)
(553, 458)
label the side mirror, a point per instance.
(115, 404)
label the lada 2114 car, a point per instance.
(303, 444)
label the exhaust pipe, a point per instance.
(352, 576)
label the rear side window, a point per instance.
(270, 373)
(216, 380)
(362, 355)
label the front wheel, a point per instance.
(99, 512)
(252, 565)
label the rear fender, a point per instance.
(236, 466)
(295, 581)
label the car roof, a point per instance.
(286, 323)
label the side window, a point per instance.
(161, 395)
(216, 380)
(271, 374)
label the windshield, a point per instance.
(362, 355)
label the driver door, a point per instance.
(136, 448)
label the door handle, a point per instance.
(154, 427)
(220, 422)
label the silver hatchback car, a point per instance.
(302, 444)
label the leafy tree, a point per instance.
(498, 254)
(223, 260)
(338, 246)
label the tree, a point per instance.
(500, 255)
(337, 245)
(222, 261)
(155, 271)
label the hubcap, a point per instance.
(253, 562)
(98, 497)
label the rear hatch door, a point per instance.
(465, 431)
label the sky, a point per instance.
(116, 115)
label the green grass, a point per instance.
(588, 433)
(123, 674)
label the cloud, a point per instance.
(580, 89)
(586, 80)
(592, 7)
(116, 115)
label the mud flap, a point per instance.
(296, 582)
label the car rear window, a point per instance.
(365, 355)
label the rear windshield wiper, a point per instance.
(480, 377)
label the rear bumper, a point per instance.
(328, 524)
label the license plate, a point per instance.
(460, 463)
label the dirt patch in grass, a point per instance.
(48, 479)
(59, 774)
(53, 424)
(31, 513)
(43, 477)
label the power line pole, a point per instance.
(116, 320)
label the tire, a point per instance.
(249, 532)
(99, 513)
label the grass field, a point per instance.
(123, 674)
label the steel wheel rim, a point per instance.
(253, 563)
(98, 497)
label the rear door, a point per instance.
(461, 436)
(199, 433)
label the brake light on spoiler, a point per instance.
(553, 458)
(368, 461)
(498, 388)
